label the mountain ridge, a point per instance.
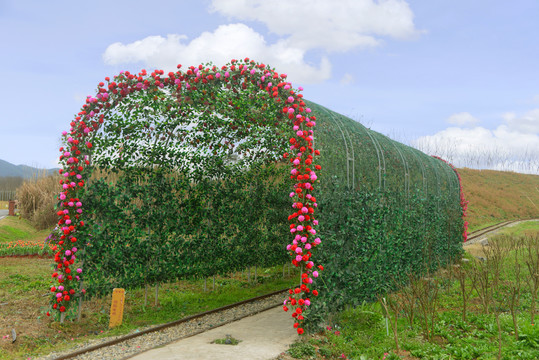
(24, 171)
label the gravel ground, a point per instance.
(129, 348)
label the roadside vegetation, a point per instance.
(19, 237)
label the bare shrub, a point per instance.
(425, 290)
(531, 259)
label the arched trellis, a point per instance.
(190, 122)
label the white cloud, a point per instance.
(331, 25)
(513, 145)
(527, 123)
(347, 79)
(462, 119)
(300, 26)
(222, 45)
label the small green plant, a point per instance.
(323, 351)
(228, 340)
(301, 350)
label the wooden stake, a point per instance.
(79, 312)
(145, 294)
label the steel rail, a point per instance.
(486, 230)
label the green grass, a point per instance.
(13, 229)
(523, 228)
(227, 341)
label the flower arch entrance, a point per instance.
(152, 136)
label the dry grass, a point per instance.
(36, 200)
(499, 195)
(4, 205)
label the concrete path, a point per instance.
(3, 214)
(263, 336)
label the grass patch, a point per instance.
(229, 340)
(13, 229)
(524, 228)
(4, 205)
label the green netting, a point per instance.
(386, 211)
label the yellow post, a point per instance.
(117, 308)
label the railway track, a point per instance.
(473, 237)
(481, 232)
(125, 347)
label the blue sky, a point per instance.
(455, 78)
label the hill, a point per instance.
(27, 172)
(495, 196)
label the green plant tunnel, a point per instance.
(194, 184)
